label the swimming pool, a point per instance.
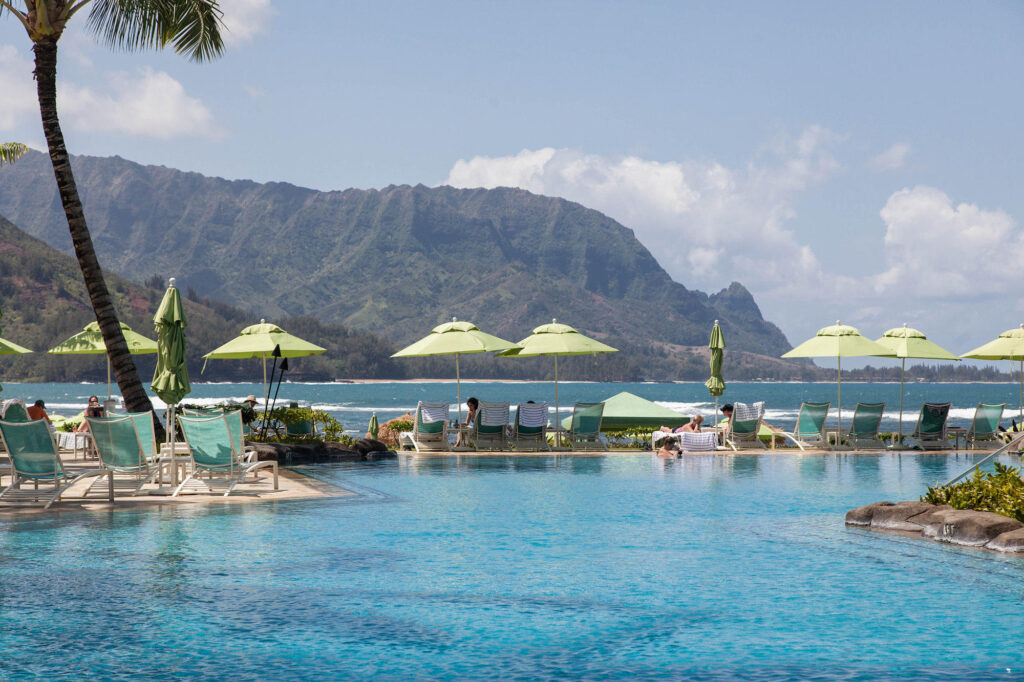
(710, 567)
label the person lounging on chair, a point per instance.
(745, 425)
(490, 426)
(810, 425)
(529, 432)
(214, 450)
(34, 458)
(863, 431)
(930, 432)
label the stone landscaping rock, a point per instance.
(861, 516)
(381, 454)
(896, 516)
(1010, 541)
(368, 445)
(968, 527)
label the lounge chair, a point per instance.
(529, 432)
(985, 425)
(930, 432)
(34, 458)
(120, 448)
(490, 428)
(13, 410)
(214, 450)
(863, 431)
(810, 425)
(430, 428)
(697, 442)
(745, 425)
(585, 428)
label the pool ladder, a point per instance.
(988, 457)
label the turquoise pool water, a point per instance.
(600, 567)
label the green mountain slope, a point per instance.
(44, 301)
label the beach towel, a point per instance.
(493, 414)
(433, 413)
(743, 412)
(533, 415)
(698, 442)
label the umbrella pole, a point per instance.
(902, 370)
(108, 377)
(458, 387)
(1021, 403)
(839, 393)
(266, 393)
(558, 415)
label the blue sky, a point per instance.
(854, 161)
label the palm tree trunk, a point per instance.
(121, 361)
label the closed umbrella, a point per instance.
(838, 341)
(715, 383)
(89, 341)
(258, 341)
(556, 339)
(374, 428)
(906, 342)
(455, 338)
(170, 379)
(1007, 346)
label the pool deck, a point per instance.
(292, 485)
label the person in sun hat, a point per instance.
(249, 409)
(251, 400)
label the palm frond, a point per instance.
(11, 152)
(192, 27)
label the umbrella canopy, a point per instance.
(905, 342)
(1007, 346)
(715, 383)
(259, 341)
(455, 338)
(838, 341)
(626, 410)
(89, 341)
(556, 339)
(8, 347)
(170, 379)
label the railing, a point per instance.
(978, 464)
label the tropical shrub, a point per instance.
(1001, 492)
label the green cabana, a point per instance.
(626, 411)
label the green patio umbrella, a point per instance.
(715, 383)
(89, 341)
(455, 338)
(170, 379)
(9, 347)
(259, 341)
(1007, 346)
(626, 410)
(556, 339)
(906, 342)
(838, 341)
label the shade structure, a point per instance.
(170, 379)
(89, 341)
(1007, 346)
(259, 341)
(838, 341)
(626, 410)
(906, 342)
(715, 383)
(455, 338)
(9, 347)
(557, 339)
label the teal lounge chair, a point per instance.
(529, 432)
(14, 411)
(585, 429)
(745, 426)
(490, 428)
(34, 458)
(810, 425)
(863, 431)
(214, 450)
(985, 425)
(120, 448)
(930, 432)
(430, 427)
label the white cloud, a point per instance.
(148, 104)
(936, 250)
(17, 89)
(245, 19)
(705, 223)
(892, 158)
